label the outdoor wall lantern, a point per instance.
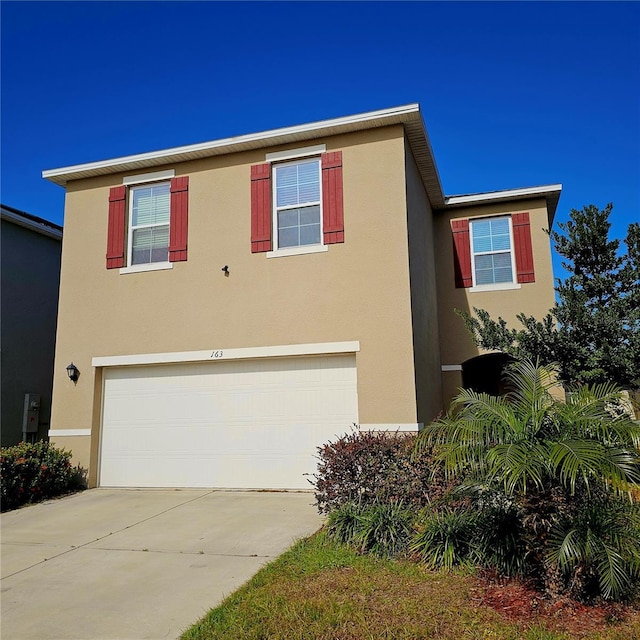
(73, 373)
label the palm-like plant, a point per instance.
(528, 437)
(562, 462)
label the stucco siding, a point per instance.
(424, 304)
(356, 291)
(534, 298)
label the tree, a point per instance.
(556, 472)
(593, 331)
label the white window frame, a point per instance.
(302, 155)
(132, 183)
(498, 286)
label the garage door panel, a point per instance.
(224, 424)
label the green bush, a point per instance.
(551, 482)
(375, 467)
(383, 529)
(445, 538)
(34, 472)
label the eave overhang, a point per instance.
(31, 222)
(550, 193)
(409, 116)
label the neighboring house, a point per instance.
(262, 293)
(30, 273)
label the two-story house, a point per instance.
(229, 306)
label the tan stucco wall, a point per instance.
(358, 290)
(424, 303)
(534, 298)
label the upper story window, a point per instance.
(297, 204)
(492, 251)
(149, 224)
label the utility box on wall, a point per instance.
(30, 414)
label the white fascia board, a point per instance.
(227, 145)
(220, 353)
(493, 196)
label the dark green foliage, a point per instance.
(595, 548)
(382, 528)
(35, 472)
(369, 468)
(593, 331)
(445, 537)
(548, 483)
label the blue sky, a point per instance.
(512, 94)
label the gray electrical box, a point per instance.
(31, 413)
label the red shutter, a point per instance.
(461, 253)
(116, 230)
(332, 207)
(523, 248)
(260, 208)
(178, 219)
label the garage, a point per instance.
(228, 424)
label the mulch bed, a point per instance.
(519, 602)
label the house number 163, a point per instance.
(217, 354)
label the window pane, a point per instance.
(150, 245)
(150, 205)
(299, 226)
(310, 234)
(288, 218)
(297, 183)
(288, 237)
(493, 269)
(310, 215)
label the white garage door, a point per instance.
(241, 424)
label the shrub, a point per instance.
(383, 529)
(595, 548)
(375, 467)
(445, 538)
(34, 472)
(552, 481)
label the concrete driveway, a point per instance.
(133, 564)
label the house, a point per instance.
(30, 275)
(231, 305)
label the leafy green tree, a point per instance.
(563, 469)
(593, 331)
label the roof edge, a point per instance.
(29, 221)
(61, 175)
(550, 192)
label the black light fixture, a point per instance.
(226, 270)
(73, 373)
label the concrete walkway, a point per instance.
(136, 564)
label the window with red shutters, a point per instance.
(485, 256)
(297, 204)
(153, 228)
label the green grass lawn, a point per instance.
(325, 591)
